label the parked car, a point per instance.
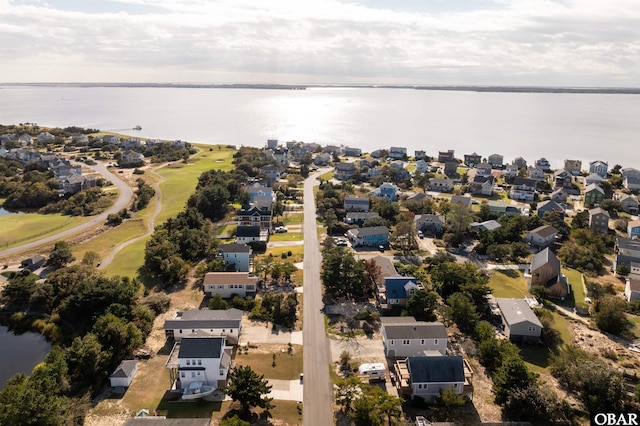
(281, 229)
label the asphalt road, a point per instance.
(317, 394)
(123, 201)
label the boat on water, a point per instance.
(138, 127)
(197, 390)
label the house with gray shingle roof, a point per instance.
(372, 236)
(205, 322)
(124, 374)
(520, 322)
(542, 236)
(199, 359)
(545, 271)
(404, 336)
(428, 376)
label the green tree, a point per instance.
(610, 315)
(248, 388)
(217, 303)
(364, 412)
(462, 311)
(447, 401)
(422, 304)
(234, 421)
(346, 391)
(512, 375)
(61, 255)
(91, 258)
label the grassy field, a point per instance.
(537, 357)
(575, 279)
(288, 367)
(107, 241)
(508, 283)
(296, 253)
(286, 236)
(290, 218)
(22, 228)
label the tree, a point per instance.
(405, 235)
(610, 315)
(446, 402)
(462, 311)
(422, 304)
(535, 404)
(364, 412)
(346, 390)
(330, 220)
(248, 388)
(91, 258)
(512, 375)
(217, 303)
(61, 255)
(234, 421)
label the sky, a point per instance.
(576, 43)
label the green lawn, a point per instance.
(22, 228)
(292, 218)
(508, 283)
(286, 236)
(326, 176)
(575, 279)
(288, 367)
(537, 357)
(226, 229)
(107, 241)
(276, 252)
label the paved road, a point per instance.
(122, 201)
(317, 386)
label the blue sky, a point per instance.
(480, 42)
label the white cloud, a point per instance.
(576, 42)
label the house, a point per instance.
(632, 290)
(543, 164)
(205, 322)
(261, 195)
(629, 203)
(398, 153)
(199, 359)
(463, 200)
(34, 262)
(387, 269)
(45, 137)
(520, 163)
(404, 336)
(481, 185)
(433, 223)
(129, 143)
(440, 184)
(356, 204)
(79, 138)
(419, 197)
(322, 159)
(332, 149)
(373, 236)
(344, 171)
(74, 183)
(573, 166)
(487, 225)
(359, 218)
(630, 172)
(272, 143)
(510, 170)
(238, 255)
(367, 162)
(271, 173)
(520, 323)
(377, 153)
(631, 178)
(445, 156)
(496, 161)
(560, 196)
(472, 160)
(628, 253)
(249, 234)
(399, 289)
(545, 271)
(123, 374)
(255, 216)
(419, 155)
(111, 139)
(593, 195)
(484, 169)
(563, 179)
(523, 189)
(397, 164)
(593, 178)
(600, 168)
(352, 152)
(427, 377)
(542, 236)
(500, 208)
(422, 166)
(451, 168)
(229, 284)
(387, 190)
(633, 229)
(599, 220)
(132, 158)
(535, 173)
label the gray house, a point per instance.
(520, 322)
(205, 322)
(404, 336)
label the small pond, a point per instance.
(20, 353)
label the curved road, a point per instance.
(123, 201)
(317, 394)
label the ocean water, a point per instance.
(556, 126)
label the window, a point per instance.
(391, 342)
(193, 374)
(180, 331)
(231, 330)
(435, 341)
(422, 342)
(532, 328)
(223, 330)
(199, 362)
(188, 362)
(419, 386)
(405, 342)
(222, 372)
(182, 374)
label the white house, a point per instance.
(542, 236)
(228, 284)
(520, 322)
(205, 322)
(357, 204)
(427, 376)
(199, 359)
(404, 336)
(124, 373)
(238, 255)
(632, 289)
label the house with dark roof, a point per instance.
(248, 234)
(481, 185)
(255, 216)
(463, 200)
(271, 173)
(433, 223)
(593, 194)
(484, 169)
(548, 207)
(398, 152)
(542, 236)
(523, 189)
(633, 229)
(501, 208)
(472, 160)
(205, 322)
(593, 178)
(124, 373)
(543, 164)
(629, 203)
(440, 184)
(445, 156)
(563, 179)
(34, 262)
(560, 195)
(573, 166)
(451, 168)
(545, 271)
(372, 236)
(359, 218)
(356, 204)
(387, 269)
(404, 336)
(628, 254)
(428, 376)
(387, 190)
(599, 220)
(496, 160)
(228, 284)
(199, 359)
(632, 289)
(601, 168)
(238, 255)
(487, 225)
(520, 323)
(399, 289)
(344, 171)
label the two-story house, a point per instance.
(352, 152)
(593, 194)
(432, 223)
(599, 220)
(633, 229)
(601, 168)
(535, 173)
(387, 190)
(399, 289)
(344, 171)
(419, 154)
(545, 271)
(238, 255)
(261, 195)
(372, 236)
(542, 236)
(631, 178)
(199, 359)
(472, 160)
(322, 159)
(255, 216)
(398, 152)
(573, 166)
(427, 377)
(440, 184)
(629, 203)
(271, 173)
(356, 204)
(359, 218)
(520, 322)
(446, 156)
(523, 189)
(484, 169)
(422, 166)
(229, 284)
(404, 336)
(628, 254)
(250, 234)
(481, 185)
(543, 164)
(205, 322)
(451, 168)
(563, 179)
(496, 161)
(520, 163)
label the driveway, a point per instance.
(262, 334)
(286, 390)
(361, 349)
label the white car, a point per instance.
(281, 229)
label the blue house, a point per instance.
(371, 236)
(633, 229)
(398, 289)
(386, 190)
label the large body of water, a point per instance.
(557, 126)
(20, 353)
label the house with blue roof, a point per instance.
(398, 290)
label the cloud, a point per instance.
(577, 42)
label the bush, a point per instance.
(158, 302)
(138, 171)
